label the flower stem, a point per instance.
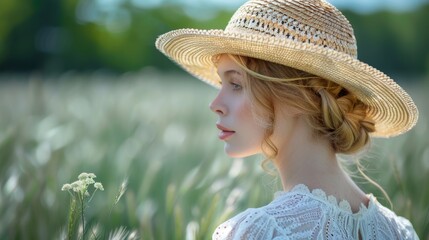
(82, 215)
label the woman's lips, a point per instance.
(224, 132)
(223, 135)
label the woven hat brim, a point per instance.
(389, 105)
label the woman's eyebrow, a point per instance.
(231, 72)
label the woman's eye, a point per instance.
(236, 86)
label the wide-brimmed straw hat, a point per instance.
(309, 35)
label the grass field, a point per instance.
(156, 131)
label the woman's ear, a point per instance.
(285, 110)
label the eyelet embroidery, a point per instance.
(321, 195)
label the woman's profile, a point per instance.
(291, 88)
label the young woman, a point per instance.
(291, 87)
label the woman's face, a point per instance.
(243, 136)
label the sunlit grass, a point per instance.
(156, 131)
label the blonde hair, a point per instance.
(330, 110)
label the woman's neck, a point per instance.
(309, 162)
(305, 159)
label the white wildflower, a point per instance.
(66, 187)
(75, 184)
(89, 181)
(83, 176)
(78, 186)
(99, 186)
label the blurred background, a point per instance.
(83, 89)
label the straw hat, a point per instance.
(309, 35)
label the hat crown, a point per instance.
(313, 22)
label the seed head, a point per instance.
(66, 187)
(83, 176)
(99, 186)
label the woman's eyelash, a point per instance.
(235, 86)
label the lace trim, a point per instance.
(319, 194)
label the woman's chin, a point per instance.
(236, 153)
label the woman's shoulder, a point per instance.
(277, 220)
(314, 215)
(374, 221)
(389, 222)
(254, 223)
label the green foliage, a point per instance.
(81, 35)
(157, 131)
(393, 41)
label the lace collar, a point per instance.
(320, 195)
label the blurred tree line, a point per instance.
(52, 36)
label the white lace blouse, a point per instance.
(301, 214)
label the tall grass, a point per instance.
(157, 131)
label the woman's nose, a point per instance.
(217, 106)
